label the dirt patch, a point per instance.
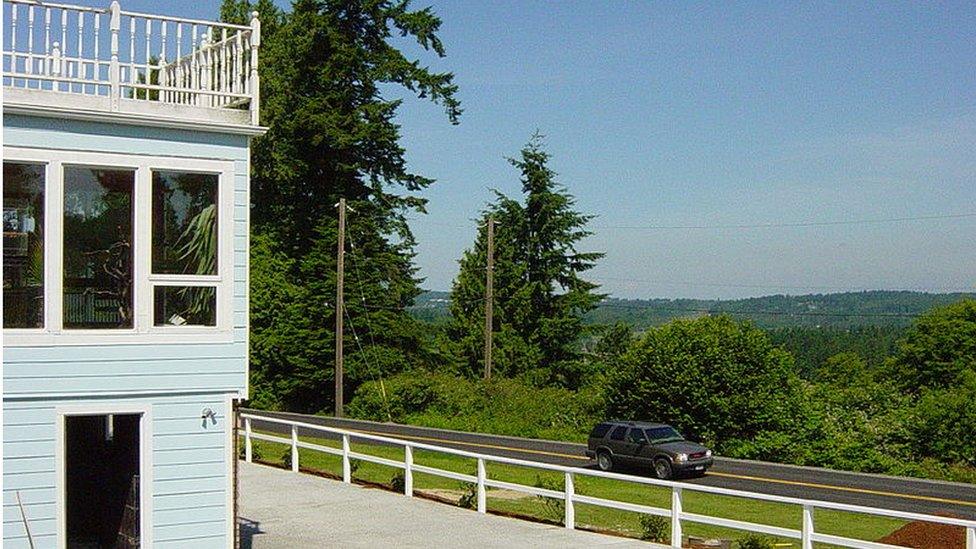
(454, 495)
(928, 535)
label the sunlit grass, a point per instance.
(864, 527)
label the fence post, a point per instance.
(675, 517)
(115, 23)
(570, 518)
(294, 449)
(408, 470)
(806, 536)
(247, 440)
(482, 505)
(346, 469)
(971, 537)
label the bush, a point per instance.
(501, 406)
(552, 508)
(399, 482)
(654, 528)
(756, 541)
(715, 379)
(469, 495)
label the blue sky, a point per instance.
(676, 114)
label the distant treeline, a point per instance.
(848, 310)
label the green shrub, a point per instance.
(398, 482)
(552, 508)
(654, 528)
(755, 541)
(469, 495)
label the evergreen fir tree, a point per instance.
(540, 295)
(332, 134)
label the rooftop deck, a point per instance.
(143, 68)
(318, 512)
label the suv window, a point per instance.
(600, 430)
(636, 436)
(618, 433)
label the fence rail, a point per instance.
(129, 55)
(807, 534)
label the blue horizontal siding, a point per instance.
(189, 469)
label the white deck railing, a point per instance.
(807, 534)
(128, 55)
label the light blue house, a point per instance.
(125, 274)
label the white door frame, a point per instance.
(145, 462)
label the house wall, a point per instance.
(176, 377)
(190, 499)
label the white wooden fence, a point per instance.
(807, 535)
(128, 55)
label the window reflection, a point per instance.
(184, 223)
(23, 245)
(98, 211)
(185, 306)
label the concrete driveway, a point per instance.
(281, 509)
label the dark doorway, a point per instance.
(102, 481)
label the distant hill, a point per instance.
(849, 309)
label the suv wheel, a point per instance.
(604, 461)
(662, 469)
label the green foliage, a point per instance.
(947, 422)
(937, 350)
(755, 541)
(540, 296)
(469, 495)
(717, 380)
(325, 69)
(552, 508)
(501, 406)
(398, 482)
(813, 346)
(654, 528)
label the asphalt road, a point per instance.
(900, 493)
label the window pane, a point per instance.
(185, 306)
(184, 232)
(23, 245)
(97, 247)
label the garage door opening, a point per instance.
(102, 481)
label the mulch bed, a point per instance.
(928, 535)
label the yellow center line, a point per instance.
(710, 473)
(846, 489)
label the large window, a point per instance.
(23, 245)
(184, 247)
(98, 236)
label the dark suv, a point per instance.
(643, 444)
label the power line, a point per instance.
(788, 224)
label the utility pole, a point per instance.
(489, 290)
(340, 305)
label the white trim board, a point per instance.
(145, 463)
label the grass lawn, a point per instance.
(865, 527)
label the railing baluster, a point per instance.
(407, 470)
(45, 66)
(115, 23)
(96, 68)
(247, 440)
(178, 97)
(482, 477)
(147, 74)
(13, 42)
(676, 517)
(163, 73)
(346, 467)
(80, 69)
(29, 67)
(132, 56)
(238, 62)
(971, 537)
(63, 86)
(192, 99)
(224, 75)
(294, 449)
(806, 537)
(569, 521)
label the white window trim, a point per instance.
(143, 330)
(145, 463)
